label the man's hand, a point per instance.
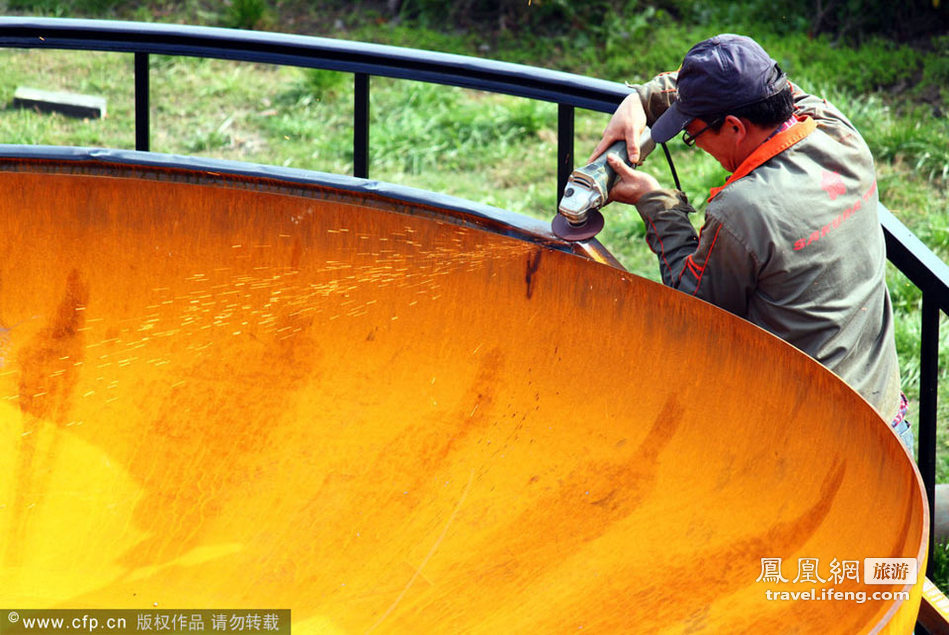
(631, 184)
(628, 122)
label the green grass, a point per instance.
(495, 149)
(940, 576)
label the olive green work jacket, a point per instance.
(792, 242)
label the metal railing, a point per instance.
(363, 60)
(923, 268)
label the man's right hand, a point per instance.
(631, 185)
(628, 122)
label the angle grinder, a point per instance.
(588, 189)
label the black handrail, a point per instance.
(363, 59)
(569, 91)
(931, 275)
(142, 101)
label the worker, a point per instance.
(791, 241)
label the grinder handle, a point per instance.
(619, 149)
(600, 169)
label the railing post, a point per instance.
(141, 102)
(928, 391)
(565, 132)
(361, 127)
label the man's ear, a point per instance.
(736, 124)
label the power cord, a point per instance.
(672, 167)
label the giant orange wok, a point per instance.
(389, 413)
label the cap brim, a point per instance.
(670, 123)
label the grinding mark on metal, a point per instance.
(428, 556)
(256, 303)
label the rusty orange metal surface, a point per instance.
(221, 393)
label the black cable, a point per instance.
(672, 167)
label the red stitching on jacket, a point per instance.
(693, 268)
(662, 248)
(698, 281)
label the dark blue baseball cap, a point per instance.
(719, 75)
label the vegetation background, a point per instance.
(883, 63)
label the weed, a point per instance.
(209, 141)
(62, 8)
(940, 576)
(246, 14)
(323, 83)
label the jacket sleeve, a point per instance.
(712, 265)
(657, 95)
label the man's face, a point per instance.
(721, 143)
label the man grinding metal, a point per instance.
(791, 241)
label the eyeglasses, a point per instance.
(689, 139)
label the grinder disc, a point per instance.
(562, 227)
